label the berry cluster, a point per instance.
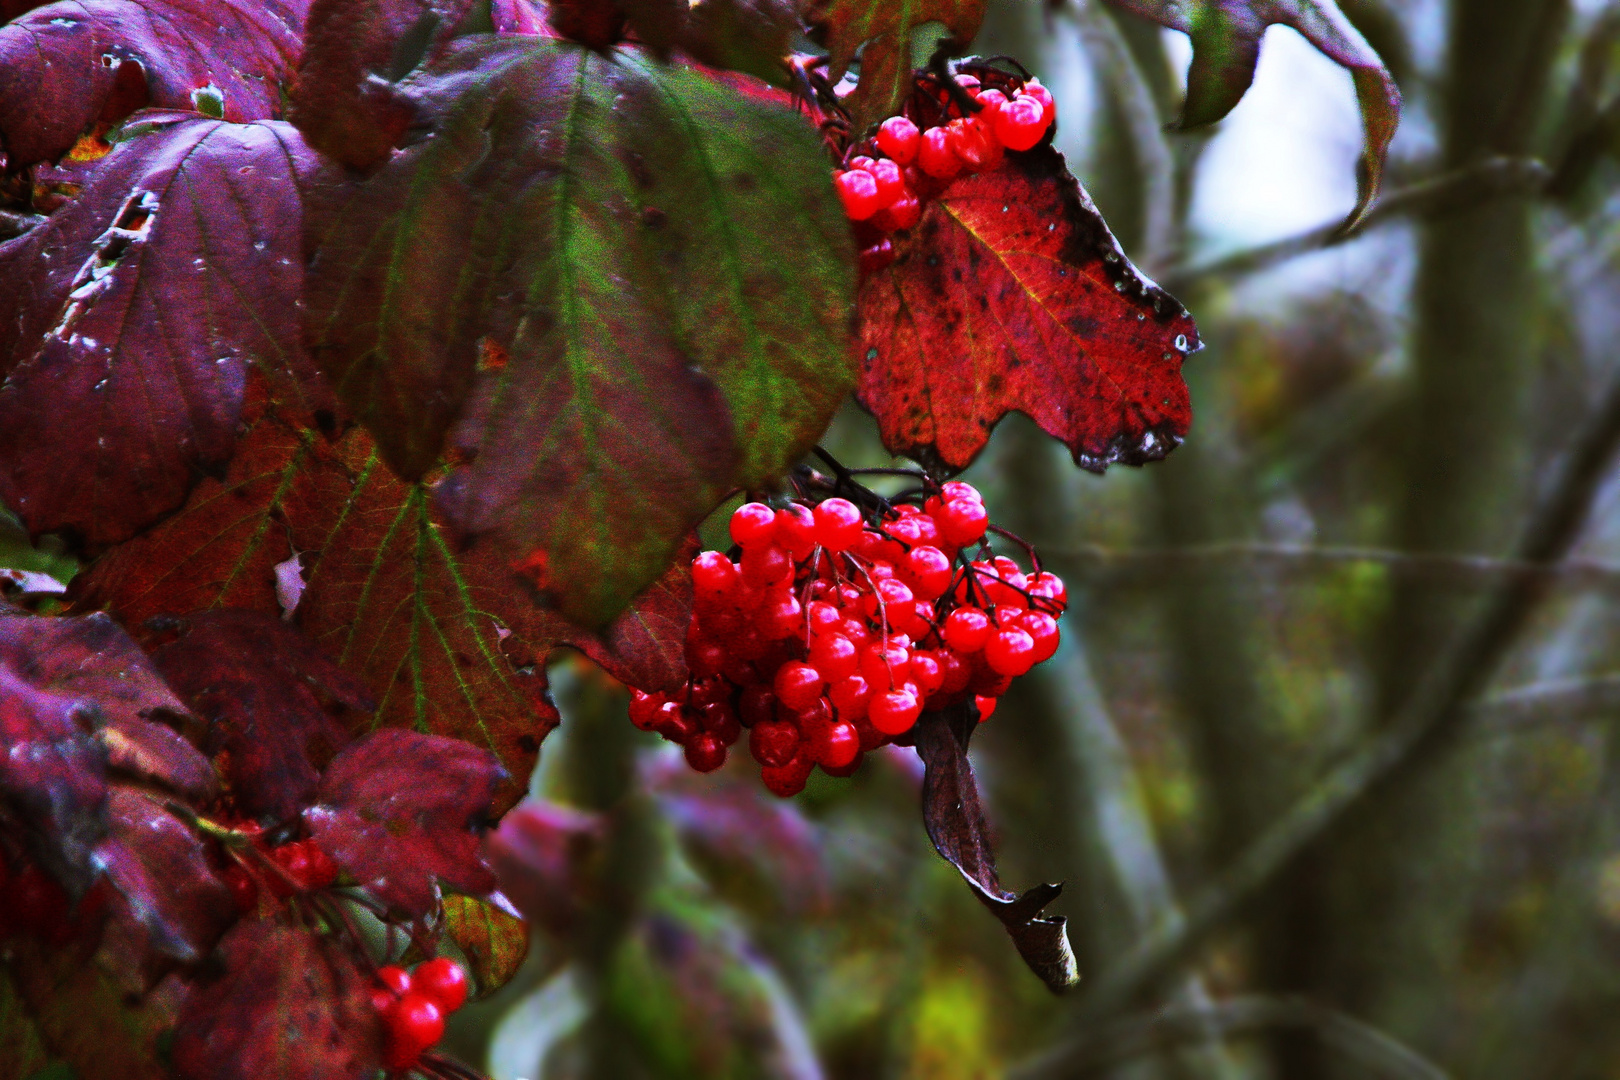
(887, 180)
(299, 866)
(829, 633)
(413, 1005)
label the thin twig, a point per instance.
(1138, 1036)
(1480, 182)
(1418, 734)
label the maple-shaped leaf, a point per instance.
(74, 691)
(1226, 49)
(402, 811)
(885, 28)
(270, 695)
(82, 1015)
(59, 63)
(158, 865)
(289, 1004)
(618, 290)
(132, 316)
(956, 824)
(1011, 294)
(752, 36)
(493, 940)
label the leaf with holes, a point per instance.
(579, 280)
(402, 811)
(1011, 294)
(289, 1004)
(59, 63)
(136, 313)
(885, 28)
(493, 941)
(273, 700)
(1226, 49)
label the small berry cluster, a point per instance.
(830, 634)
(299, 866)
(414, 1004)
(907, 163)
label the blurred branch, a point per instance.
(1561, 699)
(14, 224)
(1480, 182)
(1418, 733)
(1117, 567)
(1136, 1036)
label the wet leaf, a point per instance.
(885, 28)
(956, 824)
(577, 282)
(1012, 294)
(400, 810)
(493, 941)
(59, 63)
(1226, 48)
(159, 867)
(136, 313)
(288, 1004)
(272, 699)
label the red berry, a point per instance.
(881, 664)
(1050, 586)
(962, 522)
(890, 595)
(756, 704)
(891, 183)
(720, 720)
(895, 712)
(714, 577)
(414, 1024)
(443, 981)
(1010, 651)
(798, 685)
(644, 709)
(753, 523)
(858, 189)
(773, 742)
(850, 696)
(975, 143)
(796, 530)
(967, 629)
(244, 890)
(1034, 89)
(834, 656)
(787, 780)
(936, 156)
(991, 102)
(954, 673)
(959, 489)
(986, 707)
(781, 617)
(835, 745)
(675, 722)
(970, 83)
(1043, 630)
(899, 138)
(930, 572)
(822, 618)
(705, 752)
(1019, 124)
(837, 524)
(766, 564)
(875, 258)
(849, 769)
(396, 980)
(320, 871)
(900, 215)
(924, 668)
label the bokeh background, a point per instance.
(1377, 423)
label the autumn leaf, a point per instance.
(751, 36)
(885, 28)
(289, 1004)
(577, 283)
(1226, 49)
(133, 316)
(1011, 294)
(59, 63)
(493, 940)
(398, 836)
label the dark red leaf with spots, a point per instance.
(274, 702)
(401, 811)
(287, 1004)
(1011, 294)
(59, 64)
(133, 315)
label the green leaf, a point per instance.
(493, 941)
(1226, 47)
(617, 290)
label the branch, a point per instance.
(1419, 732)
(1477, 183)
(1138, 1036)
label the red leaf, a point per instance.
(267, 691)
(646, 646)
(136, 313)
(290, 1005)
(547, 857)
(399, 810)
(1012, 294)
(58, 62)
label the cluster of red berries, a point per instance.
(829, 635)
(298, 867)
(413, 1005)
(33, 904)
(907, 164)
